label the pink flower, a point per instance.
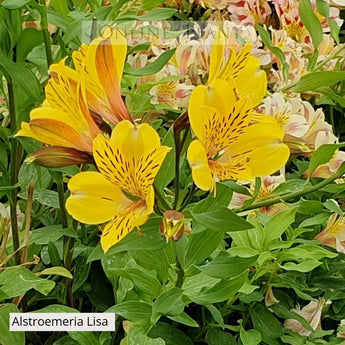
(334, 233)
(311, 312)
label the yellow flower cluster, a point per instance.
(83, 104)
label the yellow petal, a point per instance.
(218, 98)
(198, 161)
(262, 148)
(217, 56)
(94, 199)
(108, 53)
(121, 225)
(252, 82)
(132, 158)
(56, 133)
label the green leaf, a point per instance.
(6, 336)
(22, 77)
(264, 322)
(306, 265)
(50, 233)
(135, 311)
(311, 22)
(155, 14)
(266, 39)
(222, 219)
(323, 8)
(289, 187)
(222, 291)
(250, 337)
(154, 67)
(322, 156)
(169, 302)
(314, 80)
(14, 4)
(81, 273)
(136, 335)
(276, 226)
(216, 314)
(170, 334)
(226, 266)
(201, 245)
(243, 251)
(167, 171)
(143, 281)
(318, 219)
(148, 5)
(28, 39)
(24, 280)
(150, 239)
(215, 336)
(60, 271)
(284, 313)
(184, 319)
(327, 91)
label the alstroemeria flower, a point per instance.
(63, 119)
(102, 64)
(268, 185)
(121, 193)
(334, 233)
(240, 69)
(230, 143)
(312, 313)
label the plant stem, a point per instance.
(331, 57)
(61, 192)
(161, 198)
(180, 274)
(46, 35)
(292, 195)
(177, 140)
(28, 221)
(14, 164)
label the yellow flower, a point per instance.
(229, 144)
(102, 63)
(121, 193)
(232, 143)
(78, 101)
(63, 119)
(241, 70)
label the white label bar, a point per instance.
(46, 322)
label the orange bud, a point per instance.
(57, 157)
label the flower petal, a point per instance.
(131, 158)
(108, 53)
(56, 133)
(262, 148)
(201, 172)
(94, 199)
(121, 225)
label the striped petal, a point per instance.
(131, 158)
(104, 54)
(122, 224)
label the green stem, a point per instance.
(14, 164)
(161, 199)
(189, 197)
(61, 194)
(46, 35)
(177, 167)
(180, 274)
(292, 195)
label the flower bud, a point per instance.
(57, 157)
(172, 226)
